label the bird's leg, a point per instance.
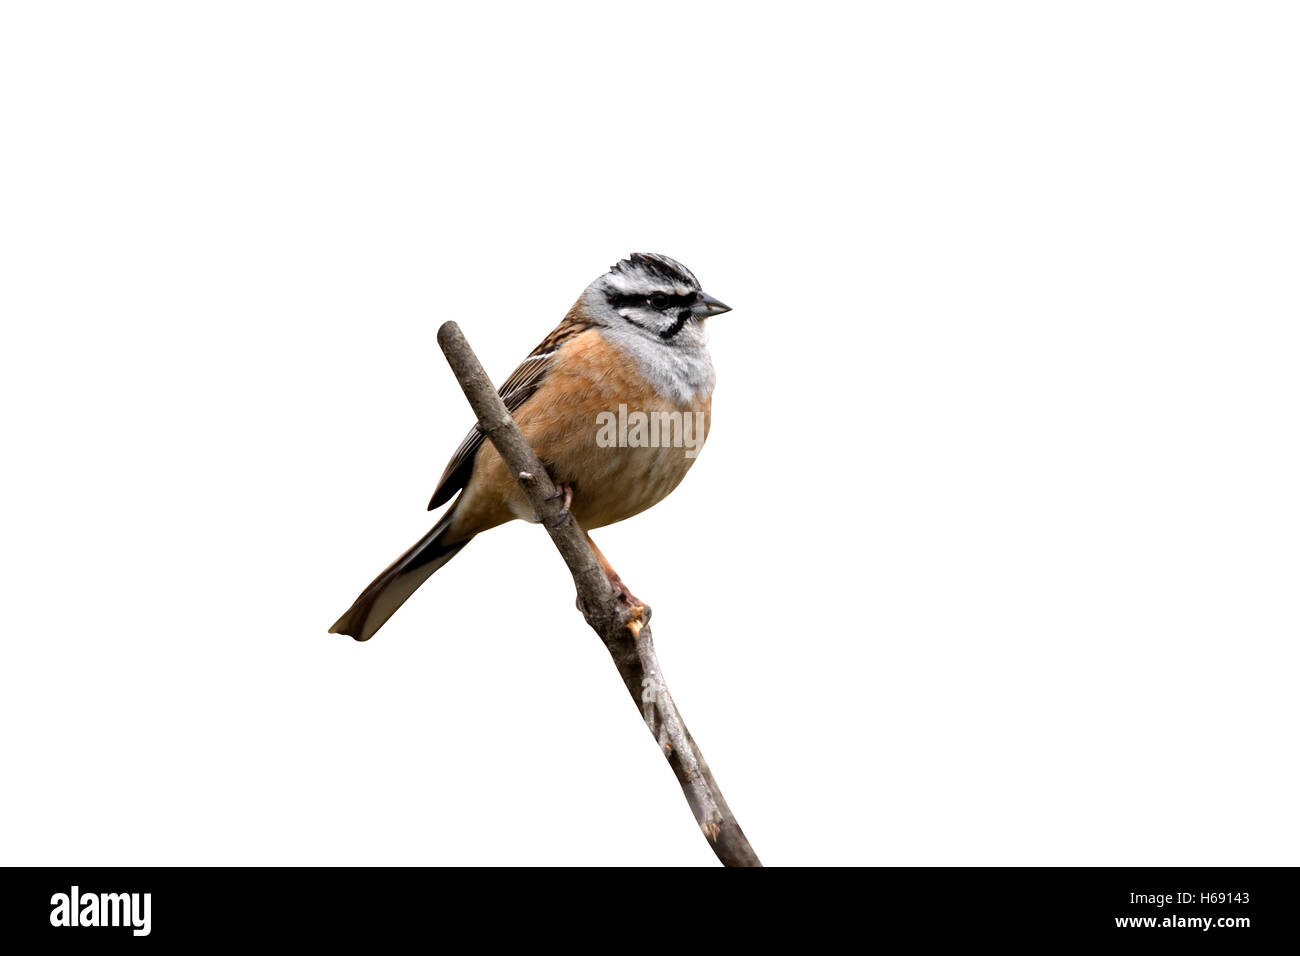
(565, 492)
(640, 610)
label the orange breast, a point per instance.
(600, 428)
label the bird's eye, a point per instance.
(659, 300)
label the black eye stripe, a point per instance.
(680, 300)
(620, 301)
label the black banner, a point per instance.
(1230, 907)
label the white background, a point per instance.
(992, 555)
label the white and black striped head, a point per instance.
(656, 295)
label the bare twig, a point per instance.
(627, 639)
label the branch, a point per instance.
(628, 640)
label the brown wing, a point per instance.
(517, 389)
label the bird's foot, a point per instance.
(564, 492)
(637, 610)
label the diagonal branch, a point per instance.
(628, 640)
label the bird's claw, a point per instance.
(566, 493)
(636, 611)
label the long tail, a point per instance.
(386, 593)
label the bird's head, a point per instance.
(656, 295)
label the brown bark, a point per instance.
(627, 639)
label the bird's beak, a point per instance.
(706, 305)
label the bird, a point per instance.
(632, 351)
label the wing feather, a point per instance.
(517, 389)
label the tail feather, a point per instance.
(386, 593)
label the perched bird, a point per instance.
(633, 344)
